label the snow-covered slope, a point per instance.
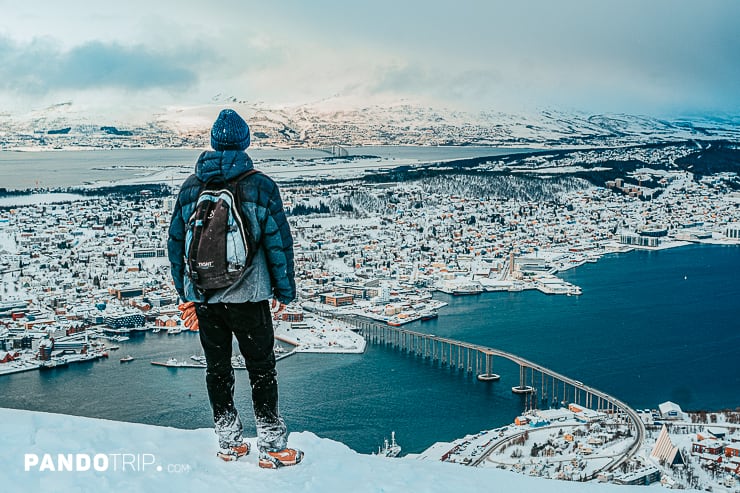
(144, 458)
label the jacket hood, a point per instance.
(224, 165)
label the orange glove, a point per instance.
(280, 309)
(188, 315)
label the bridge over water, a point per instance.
(335, 150)
(537, 382)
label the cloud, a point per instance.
(39, 67)
(468, 87)
(661, 56)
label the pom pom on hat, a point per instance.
(229, 132)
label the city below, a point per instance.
(83, 274)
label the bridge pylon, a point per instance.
(489, 376)
(522, 388)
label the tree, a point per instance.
(535, 450)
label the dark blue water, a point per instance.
(650, 327)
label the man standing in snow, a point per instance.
(241, 309)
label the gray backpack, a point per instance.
(218, 244)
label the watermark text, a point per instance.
(117, 462)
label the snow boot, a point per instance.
(234, 452)
(285, 457)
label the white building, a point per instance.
(671, 410)
(733, 231)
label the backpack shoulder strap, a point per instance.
(234, 184)
(237, 194)
(240, 177)
(216, 180)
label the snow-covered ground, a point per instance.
(7, 242)
(114, 456)
(320, 335)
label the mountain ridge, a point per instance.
(320, 124)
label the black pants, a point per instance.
(251, 324)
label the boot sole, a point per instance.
(231, 457)
(274, 463)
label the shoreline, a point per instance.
(274, 161)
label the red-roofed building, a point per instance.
(732, 451)
(709, 447)
(8, 357)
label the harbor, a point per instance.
(314, 335)
(354, 383)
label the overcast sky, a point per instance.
(657, 57)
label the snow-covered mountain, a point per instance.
(50, 452)
(329, 123)
(407, 123)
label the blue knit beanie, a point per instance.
(229, 132)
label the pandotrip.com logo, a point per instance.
(114, 463)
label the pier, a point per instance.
(541, 386)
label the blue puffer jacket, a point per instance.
(271, 273)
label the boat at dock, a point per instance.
(467, 290)
(116, 338)
(390, 449)
(554, 285)
(56, 362)
(428, 315)
(175, 363)
(198, 359)
(237, 362)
